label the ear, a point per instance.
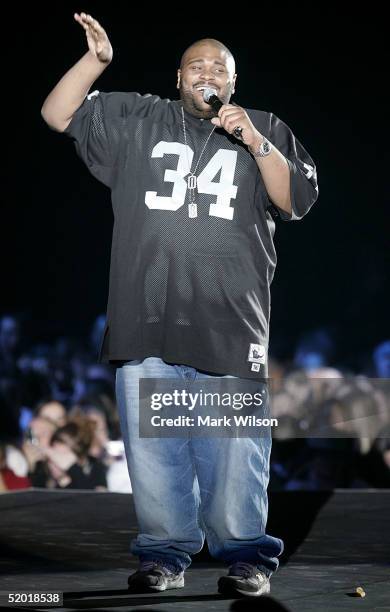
(178, 79)
(234, 83)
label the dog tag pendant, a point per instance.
(191, 181)
(192, 210)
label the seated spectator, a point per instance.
(52, 411)
(110, 452)
(12, 457)
(100, 396)
(97, 417)
(40, 432)
(36, 439)
(67, 463)
(9, 481)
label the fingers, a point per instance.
(89, 24)
(227, 111)
(231, 120)
(229, 107)
(81, 20)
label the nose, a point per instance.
(207, 74)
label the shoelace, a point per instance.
(243, 569)
(147, 566)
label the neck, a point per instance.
(198, 113)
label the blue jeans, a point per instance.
(189, 489)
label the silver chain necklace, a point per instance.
(192, 181)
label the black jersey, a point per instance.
(190, 290)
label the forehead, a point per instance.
(207, 52)
(53, 406)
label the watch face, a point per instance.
(266, 146)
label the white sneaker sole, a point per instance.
(147, 588)
(263, 591)
(230, 589)
(177, 584)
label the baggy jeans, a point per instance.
(189, 489)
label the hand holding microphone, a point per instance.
(210, 96)
(232, 118)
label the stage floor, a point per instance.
(77, 542)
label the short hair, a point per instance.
(209, 41)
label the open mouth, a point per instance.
(203, 87)
(199, 92)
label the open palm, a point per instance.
(98, 41)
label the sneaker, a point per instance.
(154, 576)
(245, 579)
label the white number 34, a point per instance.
(224, 161)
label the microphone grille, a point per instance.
(208, 92)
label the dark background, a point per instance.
(322, 74)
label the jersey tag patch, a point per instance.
(256, 353)
(94, 93)
(255, 367)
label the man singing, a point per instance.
(194, 193)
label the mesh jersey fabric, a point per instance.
(192, 291)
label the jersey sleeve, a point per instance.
(98, 128)
(303, 173)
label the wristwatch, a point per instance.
(264, 149)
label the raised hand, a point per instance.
(98, 41)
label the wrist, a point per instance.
(95, 62)
(254, 145)
(263, 149)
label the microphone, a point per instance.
(210, 97)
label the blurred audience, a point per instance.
(60, 428)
